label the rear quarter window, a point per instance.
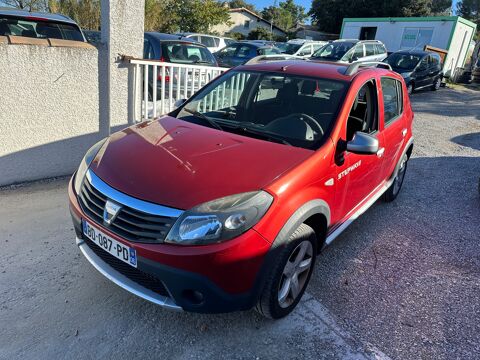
(39, 29)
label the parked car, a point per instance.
(213, 43)
(176, 50)
(347, 51)
(420, 69)
(224, 203)
(302, 48)
(38, 25)
(239, 53)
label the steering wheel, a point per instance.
(310, 121)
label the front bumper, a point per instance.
(209, 279)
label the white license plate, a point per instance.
(110, 245)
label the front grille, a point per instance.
(146, 280)
(130, 224)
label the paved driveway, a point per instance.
(403, 280)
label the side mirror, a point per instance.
(179, 103)
(363, 143)
(353, 58)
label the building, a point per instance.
(450, 33)
(243, 21)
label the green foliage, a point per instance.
(236, 35)
(259, 33)
(235, 4)
(329, 14)
(85, 12)
(286, 16)
(470, 10)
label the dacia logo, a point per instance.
(111, 211)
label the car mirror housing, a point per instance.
(363, 143)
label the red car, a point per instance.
(223, 204)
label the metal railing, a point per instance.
(162, 84)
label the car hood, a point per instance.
(179, 164)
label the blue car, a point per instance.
(239, 53)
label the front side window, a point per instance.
(244, 51)
(363, 116)
(287, 109)
(392, 99)
(403, 62)
(207, 41)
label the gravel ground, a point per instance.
(403, 280)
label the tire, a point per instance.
(394, 189)
(269, 303)
(436, 84)
(410, 88)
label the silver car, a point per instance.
(347, 51)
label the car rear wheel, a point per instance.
(289, 278)
(436, 85)
(394, 189)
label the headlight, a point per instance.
(220, 220)
(85, 164)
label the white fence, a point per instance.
(164, 83)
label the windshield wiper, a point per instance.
(266, 135)
(203, 117)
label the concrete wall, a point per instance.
(238, 18)
(49, 110)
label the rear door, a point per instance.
(392, 123)
(421, 73)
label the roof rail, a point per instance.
(354, 67)
(272, 57)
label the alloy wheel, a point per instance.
(438, 83)
(295, 274)
(398, 181)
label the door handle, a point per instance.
(404, 132)
(380, 152)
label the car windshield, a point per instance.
(291, 48)
(403, 61)
(185, 53)
(287, 109)
(41, 29)
(333, 51)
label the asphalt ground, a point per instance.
(402, 282)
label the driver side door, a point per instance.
(360, 174)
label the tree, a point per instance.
(470, 10)
(286, 16)
(260, 33)
(235, 4)
(86, 13)
(329, 14)
(441, 7)
(29, 5)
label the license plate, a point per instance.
(110, 245)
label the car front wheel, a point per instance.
(289, 278)
(436, 85)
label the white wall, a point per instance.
(391, 33)
(49, 110)
(458, 48)
(238, 19)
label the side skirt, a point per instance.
(368, 202)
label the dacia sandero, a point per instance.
(224, 203)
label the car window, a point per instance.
(228, 51)
(392, 99)
(39, 29)
(217, 41)
(423, 64)
(404, 62)
(282, 108)
(207, 41)
(244, 51)
(334, 51)
(307, 50)
(316, 47)
(188, 53)
(369, 49)
(363, 115)
(434, 61)
(268, 51)
(380, 49)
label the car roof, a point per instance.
(309, 68)
(37, 15)
(169, 37)
(415, 52)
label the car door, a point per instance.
(433, 68)
(392, 123)
(358, 175)
(421, 73)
